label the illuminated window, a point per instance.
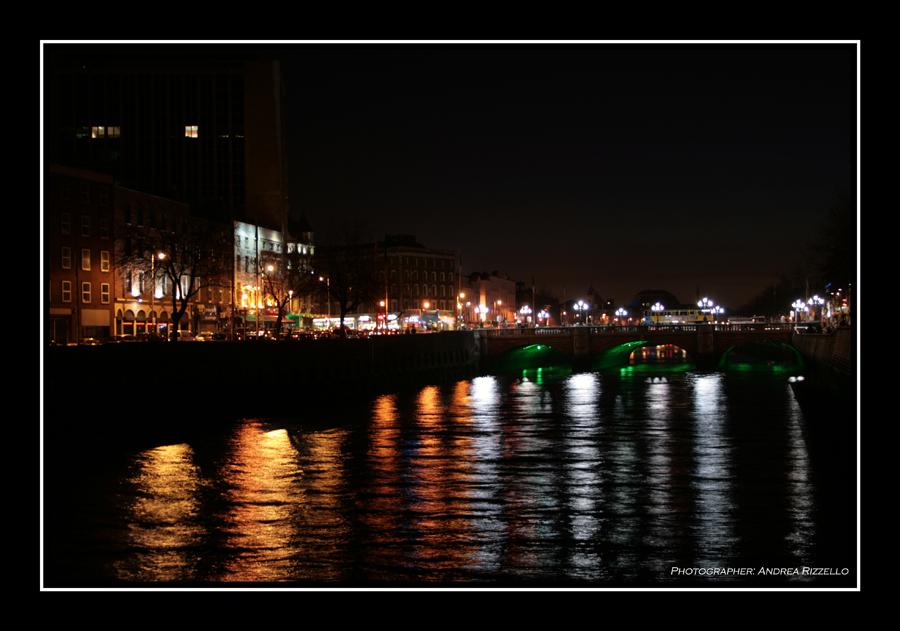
(66, 259)
(67, 291)
(113, 132)
(98, 132)
(104, 293)
(86, 260)
(104, 261)
(85, 292)
(190, 131)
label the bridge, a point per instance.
(705, 343)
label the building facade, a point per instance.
(79, 240)
(489, 299)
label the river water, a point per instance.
(657, 478)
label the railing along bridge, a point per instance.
(703, 342)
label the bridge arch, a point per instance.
(705, 345)
(527, 356)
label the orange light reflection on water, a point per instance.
(161, 520)
(262, 493)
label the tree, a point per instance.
(833, 251)
(288, 275)
(190, 254)
(350, 271)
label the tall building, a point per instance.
(199, 125)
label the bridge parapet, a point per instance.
(701, 341)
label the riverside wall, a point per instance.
(830, 379)
(212, 379)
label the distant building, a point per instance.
(491, 297)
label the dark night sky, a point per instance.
(625, 167)
(622, 166)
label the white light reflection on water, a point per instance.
(800, 490)
(712, 477)
(486, 452)
(584, 472)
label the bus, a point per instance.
(678, 316)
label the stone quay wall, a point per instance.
(239, 378)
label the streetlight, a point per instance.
(161, 256)
(815, 300)
(705, 305)
(621, 314)
(526, 313)
(545, 316)
(579, 306)
(799, 306)
(328, 296)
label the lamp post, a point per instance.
(621, 314)
(327, 296)
(799, 307)
(579, 307)
(706, 304)
(813, 302)
(526, 313)
(161, 256)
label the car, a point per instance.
(149, 337)
(120, 339)
(88, 341)
(182, 336)
(204, 336)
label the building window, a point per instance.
(85, 292)
(67, 291)
(65, 223)
(104, 228)
(64, 189)
(128, 287)
(190, 131)
(114, 132)
(85, 226)
(104, 196)
(104, 293)
(86, 260)
(85, 192)
(66, 259)
(104, 261)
